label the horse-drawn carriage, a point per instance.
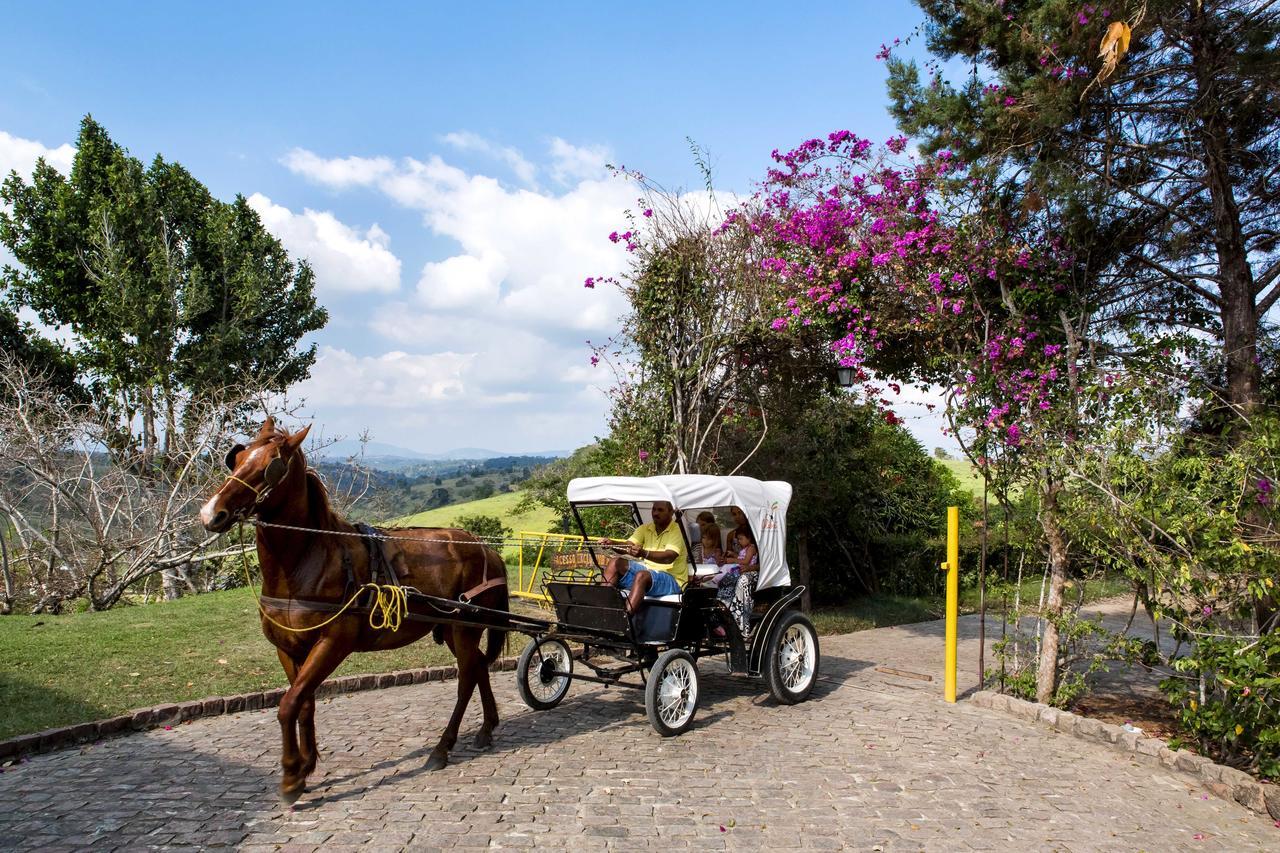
(330, 588)
(662, 642)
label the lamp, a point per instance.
(845, 376)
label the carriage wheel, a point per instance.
(671, 692)
(791, 658)
(544, 672)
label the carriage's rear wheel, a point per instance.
(544, 672)
(671, 692)
(791, 658)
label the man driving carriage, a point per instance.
(661, 566)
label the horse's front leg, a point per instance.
(299, 703)
(307, 747)
(465, 645)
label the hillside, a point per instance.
(964, 471)
(501, 506)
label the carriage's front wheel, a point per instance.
(671, 692)
(544, 672)
(791, 659)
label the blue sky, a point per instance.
(442, 167)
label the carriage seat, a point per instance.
(674, 598)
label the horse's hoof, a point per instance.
(288, 798)
(483, 740)
(437, 762)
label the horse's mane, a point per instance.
(318, 501)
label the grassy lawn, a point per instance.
(68, 669)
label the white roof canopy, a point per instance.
(764, 503)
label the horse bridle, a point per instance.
(275, 472)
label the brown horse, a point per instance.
(307, 575)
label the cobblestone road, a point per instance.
(871, 762)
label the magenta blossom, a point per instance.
(644, 455)
(589, 283)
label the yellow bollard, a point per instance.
(952, 568)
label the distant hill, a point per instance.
(378, 450)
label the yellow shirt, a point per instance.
(648, 538)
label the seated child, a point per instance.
(710, 544)
(737, 582)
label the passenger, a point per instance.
(710, 546)
(662, 567)
(740, 525)
(737, 583)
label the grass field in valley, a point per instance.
(501, 506)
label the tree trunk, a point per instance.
(802, 571)
(1239, 309)
(1047, 670)
(6, 601)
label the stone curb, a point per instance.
(1226, 782)
(175, 713)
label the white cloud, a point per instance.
(460, 282)
(394, 380)
(572, 162)
(344, 260)
(20, 155)
(468, 141)
(525, 254)
(339, 173)
(509, 300)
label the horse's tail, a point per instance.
(497, 636)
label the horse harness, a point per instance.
(379, 568)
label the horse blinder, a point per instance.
(275, 472)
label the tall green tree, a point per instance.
(1153, 124)
(172, 295)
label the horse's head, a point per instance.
(256, 472)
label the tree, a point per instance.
(82, 527)
(695, 358)
(168, 291)
(1164, 142)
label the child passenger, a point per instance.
(710, 538)
(736, 583)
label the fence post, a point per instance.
(952, 568)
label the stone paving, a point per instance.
(871, 762)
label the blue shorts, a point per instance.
(663, 583)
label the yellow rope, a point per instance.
(389, 607)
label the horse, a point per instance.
(310, 572)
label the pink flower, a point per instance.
(648, 212)
(1010, 101)
(644, 455)
(589, 283)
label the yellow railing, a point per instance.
(549, 545)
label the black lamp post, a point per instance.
(845, 376)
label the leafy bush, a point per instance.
(487, 527)
(1228, 694)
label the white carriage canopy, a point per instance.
(764, 503)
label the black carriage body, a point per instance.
(663, 641)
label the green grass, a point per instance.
(963, 469)
(502, 506)
(60, 670)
